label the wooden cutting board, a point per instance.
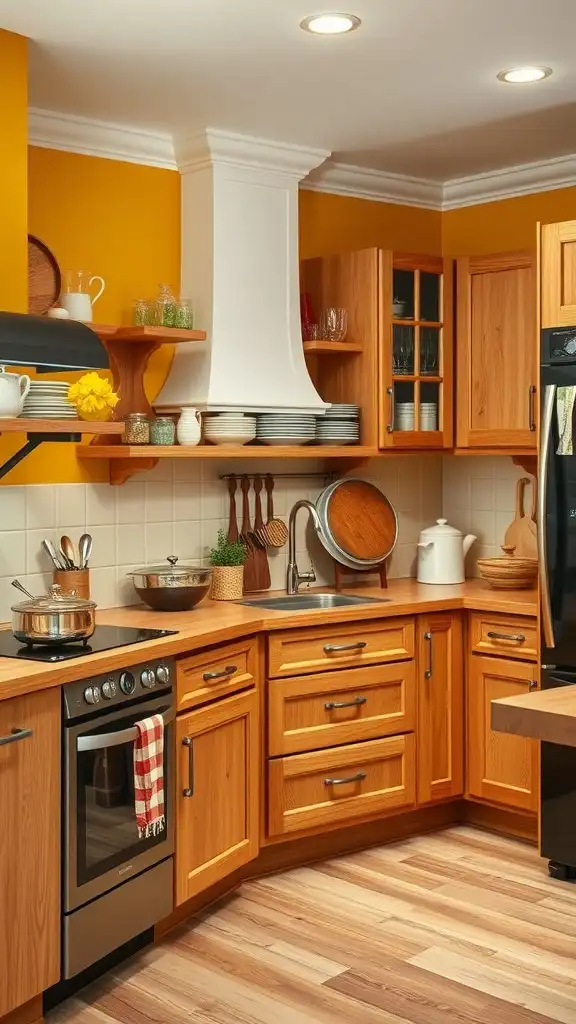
(362, 520)
(521, 534)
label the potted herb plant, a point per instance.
(227, 560)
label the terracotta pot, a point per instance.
(227, 583)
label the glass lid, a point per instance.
(168, 568)
(54, 601)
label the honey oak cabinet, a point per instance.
(497, 348)
(440, 735)
(502, 769)
(218, 772)
(30, 798)
(558, 274)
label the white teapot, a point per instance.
(441, 553)
(13, 390)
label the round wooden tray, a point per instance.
(361, 520)
(44, 277)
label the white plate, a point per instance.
(335, 442)
(287, 441)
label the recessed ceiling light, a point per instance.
(330, 24)
(524, 74)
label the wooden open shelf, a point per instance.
(137, 335)
(214, 451)
(66, 426)
(332, 348)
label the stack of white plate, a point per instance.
(404, 416)
(428, 416)
(47, 400)
(230, 428)
(286, 428)
(340, 425)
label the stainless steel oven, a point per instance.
(115, 884)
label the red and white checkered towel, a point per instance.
(149, 777)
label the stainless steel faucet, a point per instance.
(294, 577)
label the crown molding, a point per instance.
(510, 182)
(366, 183)
(51, 130)
(213, 147)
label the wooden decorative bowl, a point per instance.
(509, 573)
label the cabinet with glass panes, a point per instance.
(415, 340)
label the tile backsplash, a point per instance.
(479, 496)
(178, 508)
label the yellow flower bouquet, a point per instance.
(93, 397)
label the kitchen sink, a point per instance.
(309, 602)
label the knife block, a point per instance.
(343, 570)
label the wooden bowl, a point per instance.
(509, 573)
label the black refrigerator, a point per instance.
(557, 566)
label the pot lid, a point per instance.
(441, 529)
(54, 601)
(167, 568)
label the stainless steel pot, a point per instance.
(55, 618)
(171, 587)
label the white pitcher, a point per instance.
(188, 430)
(76, 296)
(13, 390)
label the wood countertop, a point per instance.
(545, 715)
(215, 622)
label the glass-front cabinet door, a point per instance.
(415, 351)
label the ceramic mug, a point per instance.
(13, 390)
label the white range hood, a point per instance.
(240, 268)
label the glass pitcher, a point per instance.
(76, 296)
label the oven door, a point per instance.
(101, 844)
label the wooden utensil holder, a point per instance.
(343, 570)
(77, 580)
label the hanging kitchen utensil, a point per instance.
(260, 556)
(44, 277)
(359, 525)
(275, 532)
(250, 580)
(521, 534)
(232, 519)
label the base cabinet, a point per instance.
(218, 750)
(30, 799)
(440, 707)
(502, 769)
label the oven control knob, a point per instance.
(109, 688)
(92, 694)
(148, 678)
(163, 674)
(127, 683)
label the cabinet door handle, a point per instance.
(390, 426)
(189, 742)
(14, 736)
(228, 671)
(349, 778)
(429, 671)
(533, 684)
(337, 648)
(517, 638)
(531, 403)
(332, 705)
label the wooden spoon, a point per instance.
(260, 556)
(232, 519)
(250, 580)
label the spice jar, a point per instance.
(165, 307)
(136, 428)
(163, 431)
(183, 315)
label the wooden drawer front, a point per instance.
(511, 635)
(377, 702)
(299, 651)
(382, 776)
(221, 671)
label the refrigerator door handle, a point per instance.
(545, 439)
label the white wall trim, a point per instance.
(51, 130)
(213, 147)
(510, 182)
(367, 183)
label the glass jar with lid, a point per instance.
(136, 428)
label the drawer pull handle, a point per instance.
(430, 670)
(336, 648)
(187, 741)
(359, 777)
(518, 638)
(228, 671)
(333, 705)
(15, 735)
(533, 684)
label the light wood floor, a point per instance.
(459, 926)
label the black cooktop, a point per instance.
(104, 638)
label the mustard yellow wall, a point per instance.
(330, 223)
(13, 146)
(505, 225)
(115, 219)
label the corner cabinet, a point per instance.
(440, 707)
(497, 347)
(30, 798)
(558, 274)
(415, 337)
(217, 792)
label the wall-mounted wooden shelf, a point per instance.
(332, 348)
(66, 426)
(214, 451)
(140, 335)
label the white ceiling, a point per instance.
(413, 91)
